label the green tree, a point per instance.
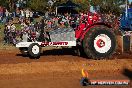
(38, 5)
(84, 4)
(57, 3)
(5, 3)
(109, 6)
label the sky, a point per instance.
(130, 0)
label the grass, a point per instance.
(6, 47)
(1, 32)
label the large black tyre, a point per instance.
(99, 42)
(24, 51)
(34, 50)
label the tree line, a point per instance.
(104, 6)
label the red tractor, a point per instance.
(94, 37)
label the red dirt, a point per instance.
(59, 69)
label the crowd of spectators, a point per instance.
(25, 19)
(35, 30)
(5, 15)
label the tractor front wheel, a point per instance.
(99, 42)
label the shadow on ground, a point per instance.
(64, 51)
(27, 56)
(70, 51)
(58, 52)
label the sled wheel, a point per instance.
(34, 50)
(24, 51)
(99, 42)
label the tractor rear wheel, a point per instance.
(99, 42)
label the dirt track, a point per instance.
(59, 69)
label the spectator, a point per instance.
(1, 14)
(56, 21)
(1, 11)
(18, 12)
(49, 23)
(37, 26)
(5, 35)
(22, 15)
(18, 4)
(31, 16)
(27, 12)
(7, 14)
(42, 25)
(13, 31)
